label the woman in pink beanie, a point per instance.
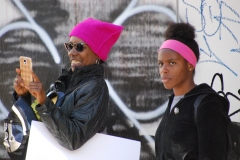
(81, 110)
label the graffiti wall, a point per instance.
(38, 29)
(217, 28)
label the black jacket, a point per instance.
(84, 109)
(178, 137)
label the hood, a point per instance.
(201, 89)
(206, 89)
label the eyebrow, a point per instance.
(170, 59)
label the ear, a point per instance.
(190, 67)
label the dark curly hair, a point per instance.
(185, 33)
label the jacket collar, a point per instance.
(199, 89)
(84, 72)
(70, 79)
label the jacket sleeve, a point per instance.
(26, 97)
(212, 123)
(82, 114)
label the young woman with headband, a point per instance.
(179, 136)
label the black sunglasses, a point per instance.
(78, 46)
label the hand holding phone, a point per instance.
(26, 68)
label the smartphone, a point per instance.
(26, 68)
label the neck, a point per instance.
(183, 89)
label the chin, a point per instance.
(167, 86)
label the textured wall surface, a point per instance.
(38, 29)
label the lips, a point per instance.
(75, 63)
(165, 79)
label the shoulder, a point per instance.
(92, 86)
(209, 95)
(214, 102)
(215, 97)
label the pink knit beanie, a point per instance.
(100, 36)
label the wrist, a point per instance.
(41, 101)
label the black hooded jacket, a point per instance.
(179, 137)
(83, 111)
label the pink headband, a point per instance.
(182, 49)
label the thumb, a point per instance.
(35, 77)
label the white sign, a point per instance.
(43, 146)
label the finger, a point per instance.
(18, 71)
(27, 87)
(35, 77)
(19, 80)
(15, 82)
(36, 86)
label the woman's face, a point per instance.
(83, 58)
(175, 71)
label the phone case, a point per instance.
(26, 67)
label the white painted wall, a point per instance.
(217, 24)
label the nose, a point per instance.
(72, 52)
(163, 69)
